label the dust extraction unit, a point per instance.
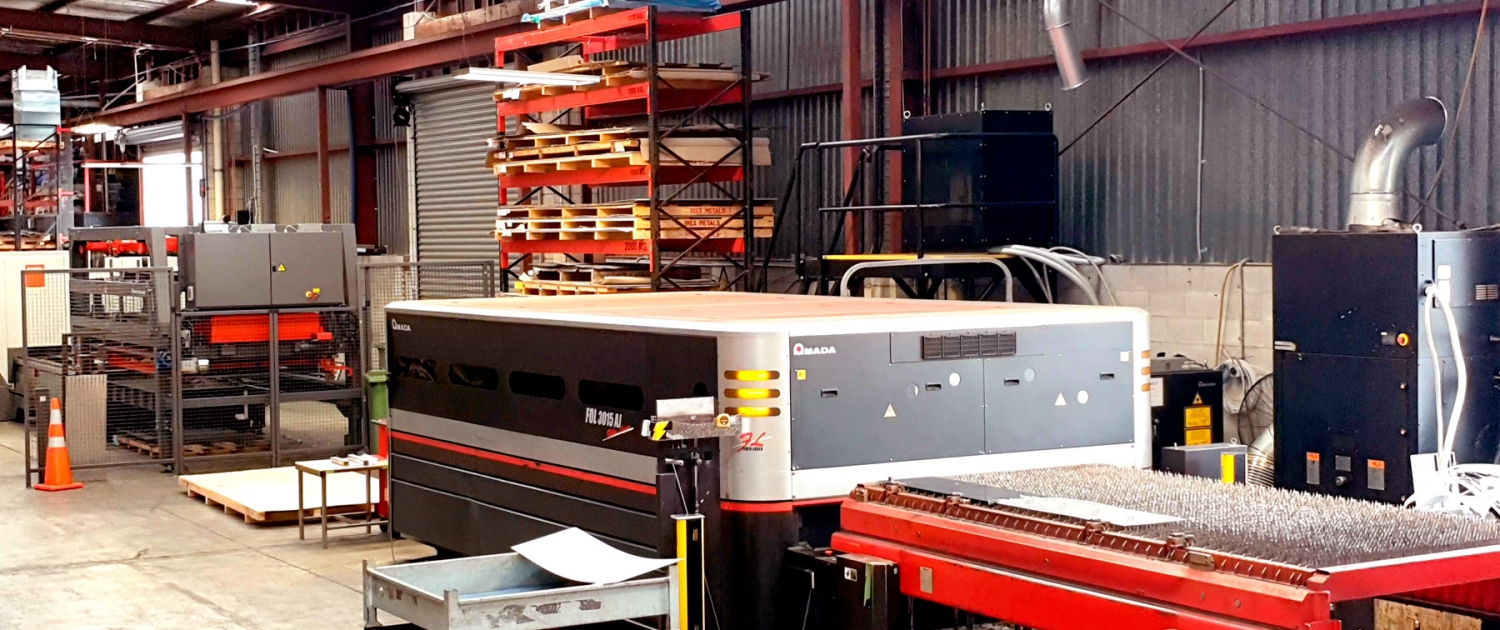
(513, 418)
(1385, 334)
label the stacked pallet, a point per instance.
(617, 73)
(631, 220)
(586, 149)
(588, 279)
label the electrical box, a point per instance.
(1224, 462)
(1003, 189)
(1355, 397)
(1187, 405)
(229, 270)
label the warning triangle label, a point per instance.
(1062, 401)
(1197, 399)
(890, 411)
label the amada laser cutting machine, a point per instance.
(514, 418)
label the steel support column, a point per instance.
(852, 112)
(895, 108)
(325, 183)
(187, 165)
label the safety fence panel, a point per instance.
(99, 340)
(385, 283)
(143, 382)
(245, 397)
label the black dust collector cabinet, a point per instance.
(1003, 187)
(1354, 381)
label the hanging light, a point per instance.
(524, 77)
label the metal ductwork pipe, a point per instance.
(1374, 196)
(1060, 32)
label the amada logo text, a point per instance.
(395, 325)
(800, 350)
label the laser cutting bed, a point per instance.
(1042, 548)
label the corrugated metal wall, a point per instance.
(1130, 187)
(456, 194)
(290, 129)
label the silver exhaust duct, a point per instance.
(1373, 191)
(1060, 32)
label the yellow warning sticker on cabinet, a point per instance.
(1227, 467)
(1198, 417)
(1199, 436)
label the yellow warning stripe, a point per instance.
(682, 576)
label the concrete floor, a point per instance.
(130, 550)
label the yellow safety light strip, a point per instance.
(754, 412)
(752, 375)
(752, 393)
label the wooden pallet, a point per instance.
(223, 444)
(10, 145)
(638, 285)
(545, 287)
(269, 495)
(622, 73)
(693, 151)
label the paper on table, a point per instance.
(1089, 511)
(575, 555)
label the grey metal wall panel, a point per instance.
(292, 121)
(385, 131)
(390, 198)
(1129, 187)
(456, 194)
(293, 187)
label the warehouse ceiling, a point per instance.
(175, 13)
(100, 47)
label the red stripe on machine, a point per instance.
(776, 506)
(527, 463)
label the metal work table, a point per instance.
(322, 468)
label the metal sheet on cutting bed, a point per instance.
(1298, 528)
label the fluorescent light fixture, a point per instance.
(93, 129)
(524, 77)
(246, 3)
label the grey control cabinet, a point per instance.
(263, 269)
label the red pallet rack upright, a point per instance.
(645, 27)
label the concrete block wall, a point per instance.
(1183, 301)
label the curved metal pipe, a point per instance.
(1060, 32)
(1373, 189)
(1010, 281)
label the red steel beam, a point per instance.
(1171, 583)
(852, 112)
(1035, 602)
(110, 30)
(371, 63)
(325, 178)
(895, 108)
(1309, 28)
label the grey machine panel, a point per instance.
(857, 407)
(303, 262)
(1066, 387)
(226, 270)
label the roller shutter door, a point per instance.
(456, 194)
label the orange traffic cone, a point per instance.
(59, 470)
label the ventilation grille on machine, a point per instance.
(968, 346)
(1486, 292)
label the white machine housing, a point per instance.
(838, 391)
